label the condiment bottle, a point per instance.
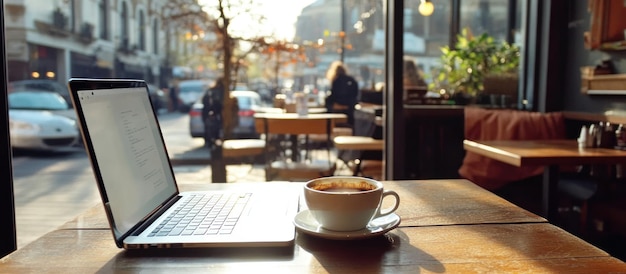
(582, 138)
(593, 135)
(620, 136)
(608, 137)
(301, 103)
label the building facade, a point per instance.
(59, 39)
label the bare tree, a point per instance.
(230, 21)
(280, 53)
(233, 23)
(180, 17)
(223, 14)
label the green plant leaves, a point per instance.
(464, 67)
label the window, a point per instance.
(73, 19)
(142, 31)
(155, 36)
(486, 16)
(103, 11)
(424, 35)
(318, 24)
(125, 39)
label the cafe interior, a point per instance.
(570, 77)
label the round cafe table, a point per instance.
(286, 110)
(293, 125)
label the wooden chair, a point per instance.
(242, 149)
(347, 110)
(361, 152)
(358, 165)
(231, 152)
(577, 192)
(284, 135)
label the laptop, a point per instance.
(138, 187)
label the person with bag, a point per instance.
(344, 91)
(212, 112)
(173, 94)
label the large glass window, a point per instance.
(486, 16)
(453, 51)
(171, 48)
(426, 31)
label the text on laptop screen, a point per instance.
(127, 144)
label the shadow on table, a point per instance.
(373, 254)
(161, 260)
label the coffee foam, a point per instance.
(358, 185)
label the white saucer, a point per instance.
(306, 224)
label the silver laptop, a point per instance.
(138, 188)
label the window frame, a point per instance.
(7, 203)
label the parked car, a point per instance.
(249, 102)
(43, 85)
(158, 98)
(190, 91)
(263, 89)
(41, 120)
(241, 86)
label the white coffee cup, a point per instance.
(347, 203)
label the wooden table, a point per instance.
(284, 110)
(293, 125)
(333, 117)
(447, 226)
(548, 153)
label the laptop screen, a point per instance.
(128, 153)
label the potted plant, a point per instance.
(464, 69)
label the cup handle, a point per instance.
(391, 209)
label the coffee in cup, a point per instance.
(347, 203)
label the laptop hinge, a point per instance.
(154, 215)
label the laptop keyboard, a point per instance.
(204, 214)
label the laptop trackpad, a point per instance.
(274, 207)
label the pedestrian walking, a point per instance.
(212, 112)
(173, 94)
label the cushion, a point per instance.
(489, 124)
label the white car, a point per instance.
(43, 85)
(40, 120)
(190, 91)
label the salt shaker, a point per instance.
(582, 138)
(593, 136)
